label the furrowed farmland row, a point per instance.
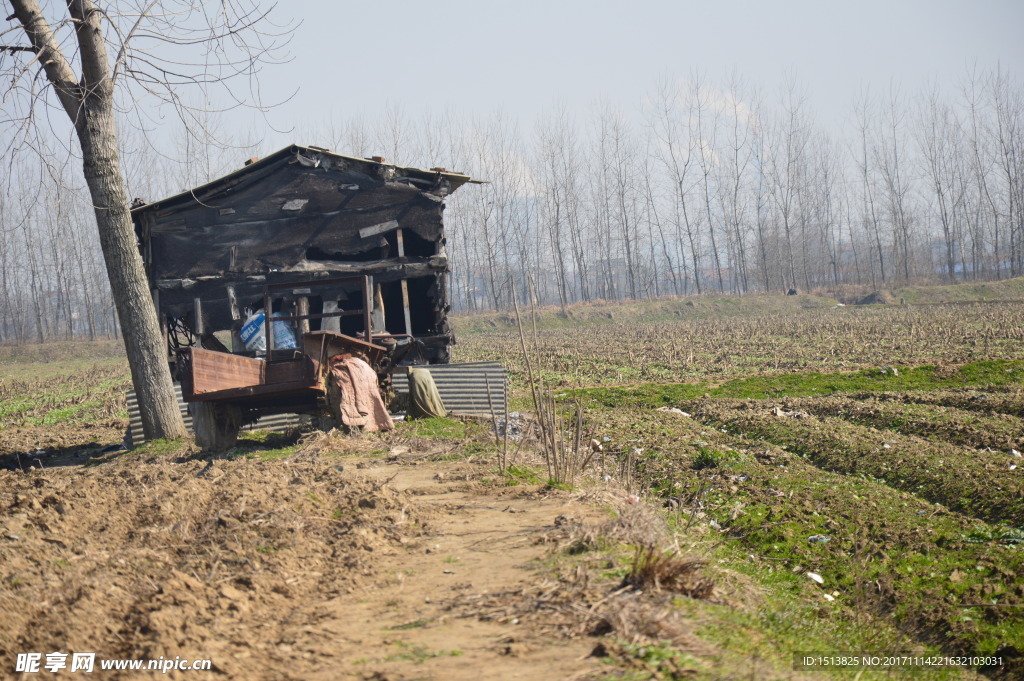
(1009, 401)
(880, 551)
(973, 482)
(932, 422)
(694, 344)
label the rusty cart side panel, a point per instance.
(208, 376)
(207, 371)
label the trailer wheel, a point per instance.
(215, 425)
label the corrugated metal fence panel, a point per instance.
(275, 423)
(464, 387)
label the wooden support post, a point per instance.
(302, 310)
(368, 306)
(404, 284)
(233, 303)
(268, 326)
(197, 318)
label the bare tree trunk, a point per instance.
(89, 105)
(870, 212)
(706, 149)
(147, 355)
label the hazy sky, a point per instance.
(524, 56)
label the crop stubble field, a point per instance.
(869, 445)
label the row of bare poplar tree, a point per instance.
(713, 190)
(709, 188)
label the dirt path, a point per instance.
(301, 568)
(406, 625)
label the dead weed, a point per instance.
(655, 569)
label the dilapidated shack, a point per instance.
(347, 253)
(308, 223)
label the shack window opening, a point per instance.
(415, 246)
(394, 317)
(422, 305)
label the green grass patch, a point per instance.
(987, 373)
(659, 660)
(438, 428)
(268, 454)
(519, 475)
(34, 395)
(161, 448)
(264, 445)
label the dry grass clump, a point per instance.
(639, 524)
(654, 568)
(576, 605)
(638, 621)
(316, 443)
(581, 600)
(657, 570)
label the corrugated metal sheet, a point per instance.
(464, 387)
(275, 423)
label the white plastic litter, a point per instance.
(674, 410)
(814, 576)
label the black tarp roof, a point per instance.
(312, 157)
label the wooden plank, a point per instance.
(220, 375)
(290, 371)
(368, 307)
(322, 345)
(374, 230)
(302, 311)
(268, 326)
(404, 285)
(197, 316)
(405, 306)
